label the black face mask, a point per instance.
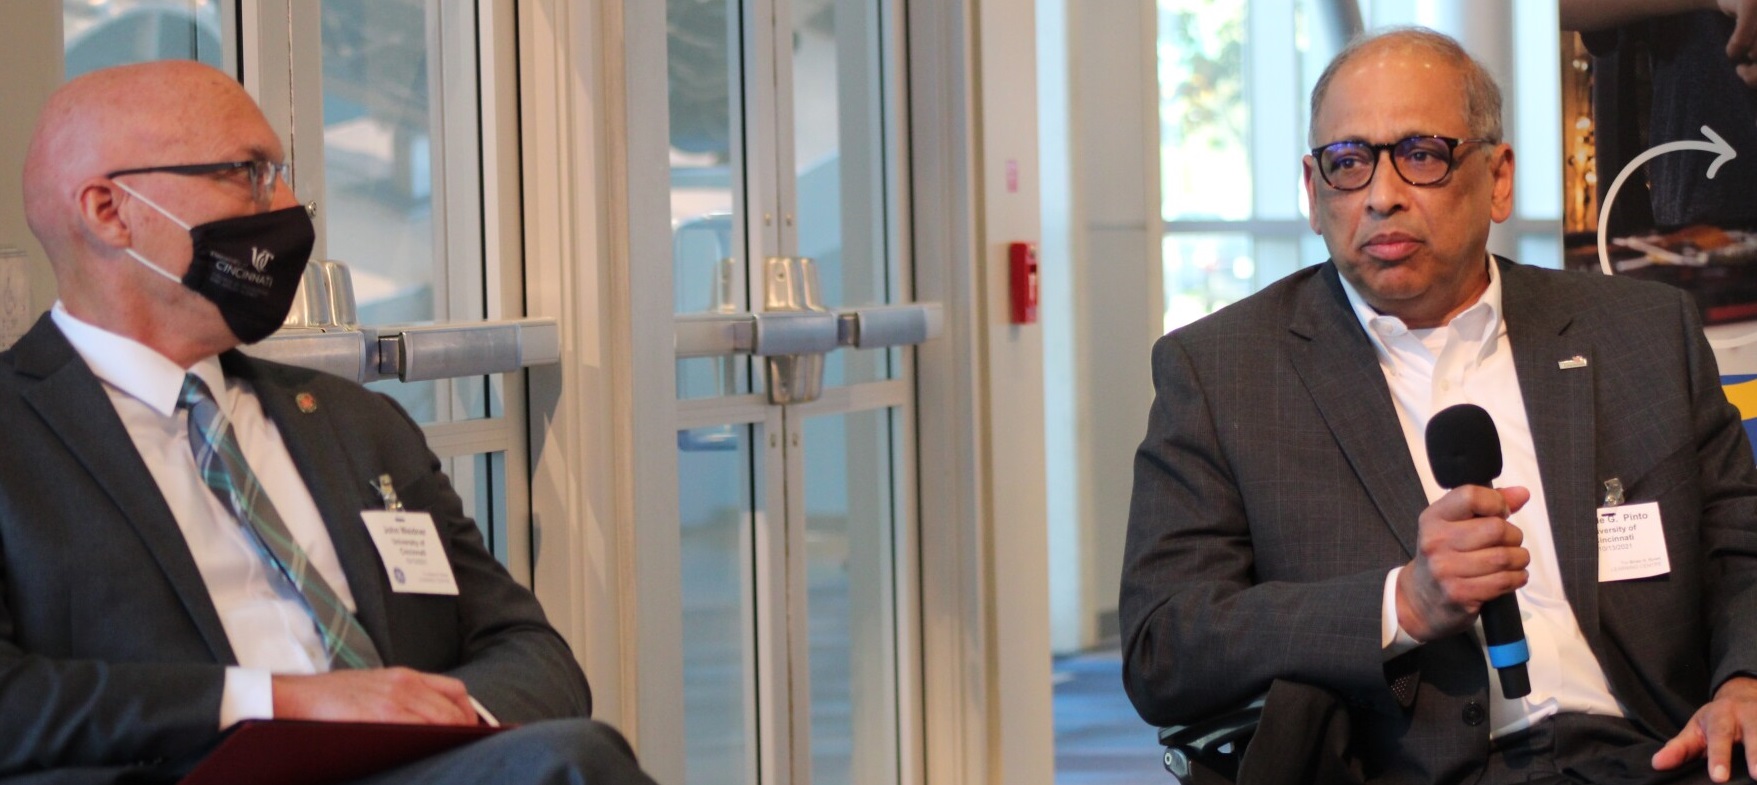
(248, 266)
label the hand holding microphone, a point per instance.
(1469, 561)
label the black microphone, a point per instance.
(1465, 449)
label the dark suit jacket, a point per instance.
(111, 651)
(1274, 491)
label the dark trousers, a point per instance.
(557, 752)
(1584, 748)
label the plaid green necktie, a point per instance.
(222, 466)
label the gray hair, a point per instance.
(1482, 97)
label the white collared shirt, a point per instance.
(264, 616)
(1469, 360)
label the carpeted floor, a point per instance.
(1099, 740)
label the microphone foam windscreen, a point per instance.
(1463, 446)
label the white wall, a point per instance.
(31, 61)
(1103, 317)
(1008, 193)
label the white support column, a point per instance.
(1118, 297)
(1023, 739)
(604, 477)
(956, 632)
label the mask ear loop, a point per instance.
(162, 211)
(152, 204)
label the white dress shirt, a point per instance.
(264, 616)
(1469, 360)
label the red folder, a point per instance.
(301, 752)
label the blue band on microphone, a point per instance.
(1508, 655)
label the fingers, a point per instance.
(1468, 554)
(1515, 497)
(1720, 728)
(1686, 746)
(383, 695)
(1729, 719)
(1741, 46)
(1747, 72)
(1465, 535)
(432, 699)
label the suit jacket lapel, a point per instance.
(1559, 404)
(336, 483)
(72, 402)
(1336, 360)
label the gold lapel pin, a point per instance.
(306, 401)
(1577, 361)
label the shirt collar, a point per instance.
(136, 370)
(1480, 322)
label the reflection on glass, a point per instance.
(1204, 273)
(838, 152)
(1541, 250)
(103, 33)
(850, 599)
(708, 265)
(715, 467)
(382, 176)
(1204, 115)
(704, 102)
(710, 279)
(480, 481)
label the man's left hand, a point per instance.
(1731, 718)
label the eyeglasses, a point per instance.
(263, 174)
(1419, 160)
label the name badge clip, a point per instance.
(388, 492)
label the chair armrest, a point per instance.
(1216, 742)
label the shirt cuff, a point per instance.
(249, 694)
(1392, 638)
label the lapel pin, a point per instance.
(1577, 361)
(306, 401)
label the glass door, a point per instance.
(794, 390)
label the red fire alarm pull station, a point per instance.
(1022, 261)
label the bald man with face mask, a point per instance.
(183, 529)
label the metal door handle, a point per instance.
(321, 333)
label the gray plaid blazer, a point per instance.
(1274, 490)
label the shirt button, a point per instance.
(1474, 714)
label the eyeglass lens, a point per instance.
(263, 175)
(1421, 160)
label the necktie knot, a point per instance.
(194, 392)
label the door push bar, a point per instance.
(794, 330)
(323, 332)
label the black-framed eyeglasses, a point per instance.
(1419, 160)
(263, 174)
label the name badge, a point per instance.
(408, 544)
(1631, 542)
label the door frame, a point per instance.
(604, 477)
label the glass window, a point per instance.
(716, 467)
(851, 624)
(1204, 273)
(480, 482)
(104, 33)
(1204, 113)
(396, 187)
